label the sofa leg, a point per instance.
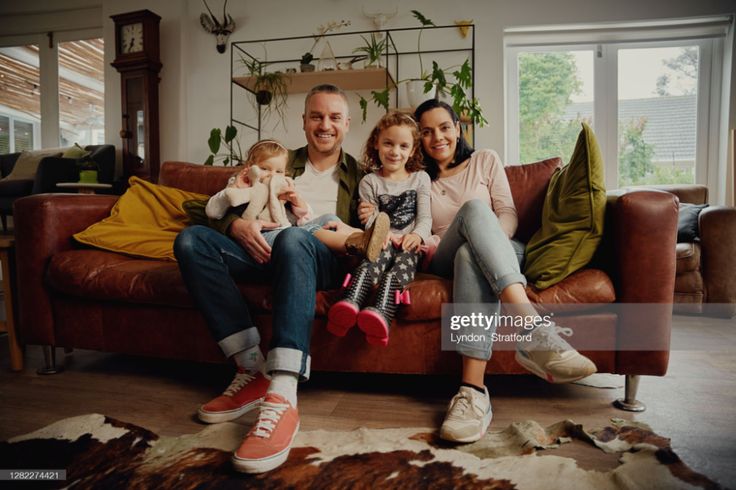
(629, 402)
(49, 361)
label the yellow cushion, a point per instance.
(143, 223)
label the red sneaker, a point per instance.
(268, 443)
(243, 395)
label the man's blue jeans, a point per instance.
(211, 262)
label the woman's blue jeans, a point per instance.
(211, 262)
(482, 261)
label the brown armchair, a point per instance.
(705, 280)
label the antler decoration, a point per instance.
(221, 30)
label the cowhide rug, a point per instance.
(101, 452)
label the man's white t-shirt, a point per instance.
(319, 189)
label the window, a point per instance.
(648, 94)
(81, 92)
(20, 99)
(80, 86)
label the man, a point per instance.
(210, 261)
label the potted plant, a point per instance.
(306, 62)
(234, 152)
(88, 170)
(374, 49)
(270, 88)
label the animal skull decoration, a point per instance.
(221, 30)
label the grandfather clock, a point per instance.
(137, 59)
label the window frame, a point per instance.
(605, 96)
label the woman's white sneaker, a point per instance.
(551, 358)
(468, 416)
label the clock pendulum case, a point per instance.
(137, 58)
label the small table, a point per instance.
(84, 187)
(6, 254)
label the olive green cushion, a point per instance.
(572, 217)
(76, 152)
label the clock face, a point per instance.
(131, 38)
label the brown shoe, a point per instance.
(369, 243)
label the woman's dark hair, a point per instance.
(462, 151)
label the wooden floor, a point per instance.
(694, 405)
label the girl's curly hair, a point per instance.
(371, 162)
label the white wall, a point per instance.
(195, 90)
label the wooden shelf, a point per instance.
(369, 78)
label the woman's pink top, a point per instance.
(484, 178)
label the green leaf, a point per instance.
(438, 78)
(464, 76)
(215, 139)
(363, 106)
(230, 133)
(226, 161)
(210, 160)
(421, 18)
(381, 98)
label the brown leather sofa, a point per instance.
(705, 280)
(76, 297)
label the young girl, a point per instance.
(270, 158)
(398, 187)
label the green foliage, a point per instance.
(374, 48)
(635, 166)
(271, 82)
(234, 152)
(379, 97)
(546, 83)
(425, 22)
(635, 154)
(307, 58)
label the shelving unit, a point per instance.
(363, 79)
(400, 61)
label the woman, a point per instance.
(474, 216)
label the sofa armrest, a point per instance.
(44, 225)
(692, 193)
(718, 248)
(644, 235)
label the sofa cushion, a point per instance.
(76, 152)
(528, 184)
(689, 283)
(572, 219)
(688, 257)
(582, 286)
(27, 163)
(687, 221)
(143, 223)
(108, 276)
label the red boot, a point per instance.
(343, 314)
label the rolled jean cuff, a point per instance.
(239, 341)
(290, 361)
(509, 279)
(476, 350)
